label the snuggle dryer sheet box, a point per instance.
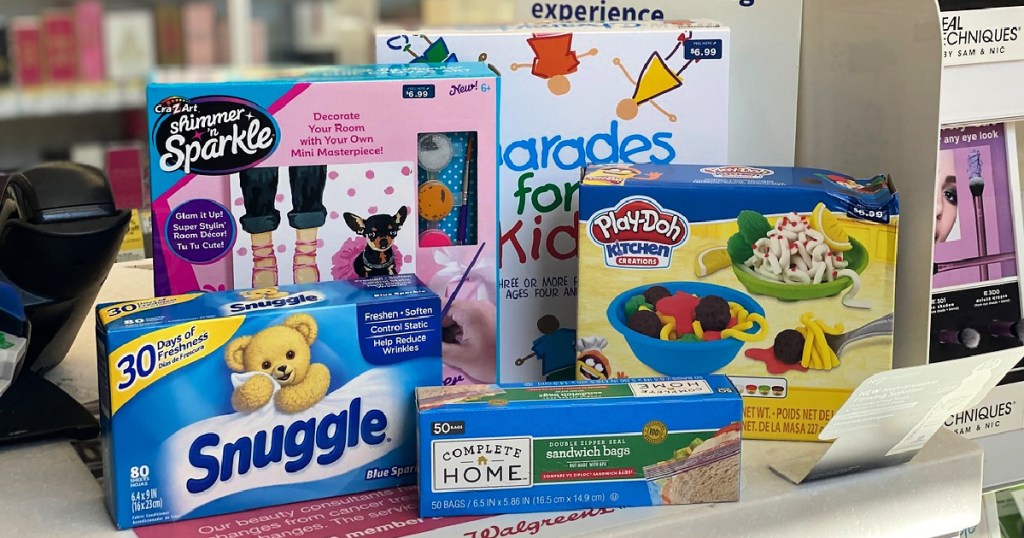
(574, 94)
(263, 177)
(536, 447)
(782, 278)
(220, 402)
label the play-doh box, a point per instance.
(782, 278)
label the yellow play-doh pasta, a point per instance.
(817, 354)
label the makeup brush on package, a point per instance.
(980, 261)
(1007, 329)
(969, 338)
(977, 185)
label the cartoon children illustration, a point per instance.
(656, 79)
(555, 348)
(308, 214)
(553, 59)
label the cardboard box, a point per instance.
(569, 98)
(269, 177)
(747, 271)
(300, 392)
(536, 447)
(765, 41)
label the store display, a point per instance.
(303, 391)
(609, 93)
(351, 155)
(976, 297)
(535, 447)
(783, 262)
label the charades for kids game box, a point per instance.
(220, 402)
(536, 447)
(574, 94)
(782, 278)
(264, 177)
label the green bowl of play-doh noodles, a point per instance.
(783, 291)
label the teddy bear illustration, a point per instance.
(283, 353)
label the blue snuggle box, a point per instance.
(213, 403)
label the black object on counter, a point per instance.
(59, 235)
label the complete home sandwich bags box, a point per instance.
(574, 94)
(539, 447)
(782, 278)
(263, 178)
(220, 402)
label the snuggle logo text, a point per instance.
(297, 299)
(533, 158)
(638, 233)
(295, 445)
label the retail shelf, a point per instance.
(981, 93)
(65, 100)
(936, 494)
(1003, 464)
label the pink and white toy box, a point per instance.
(261, 178)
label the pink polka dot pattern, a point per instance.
(280, 248)
(408, 258)
(239, 201)
(319, 243)
(242, 251)
(369, 174)
(372, 210)
(332, 175)
(351, 192)
(389, 191)
(279, 198)
(334, 215)
(406, 171)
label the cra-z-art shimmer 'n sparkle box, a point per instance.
(781, 278)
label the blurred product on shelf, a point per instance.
(25, 51)
(59, 52)
(88, 20)
(199, 26)
(170, 45)
(129, 44)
